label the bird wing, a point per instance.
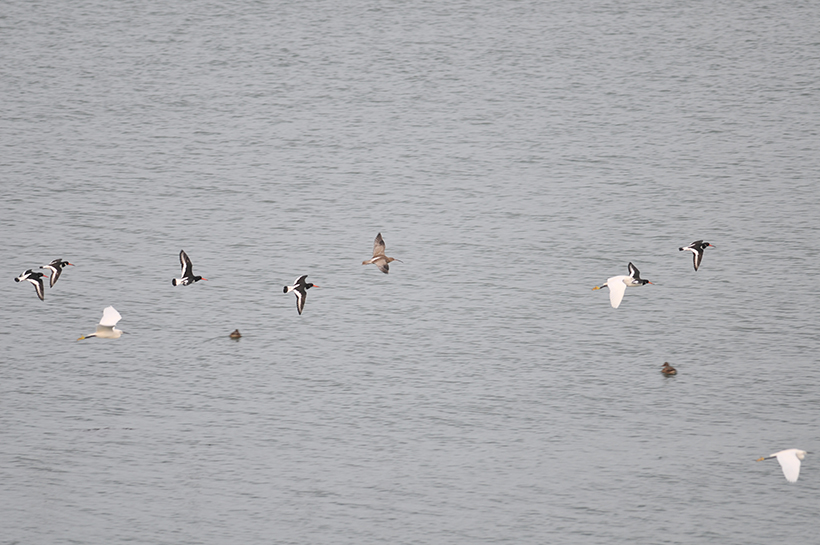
(790, 463)
(301, 281)
(383, 265)
(616, 289)
(698, 257)
(110, 317)
(55, 273)
(634, 272)
(185, 262)
(38, 287)
(301, 295)
(378, 246)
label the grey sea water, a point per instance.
(513, 155)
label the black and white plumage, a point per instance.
(187, 271)
(617, 285)
(697, 248)
(36, 279)
(299, 289)
(379, 259)
(56, 267)
(635, 275)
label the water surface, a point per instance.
(513, 155)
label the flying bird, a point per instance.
(299, 289)
(106, 329)
(379, 259)
(36, 278)
(56, 268)
(790, 462)
(697, 248)
(617, 285)
(187, 271)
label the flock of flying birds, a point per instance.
(106, 329)
(789, 459)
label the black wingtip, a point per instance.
(285, 289)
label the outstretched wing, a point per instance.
(697, 257)
(301, 281)
(38, 287)
(378, 246)
(790, 464)
(55, 272)
(616, 290)
(634, 272)
(301, 295)
(110, 317)
(185, 263)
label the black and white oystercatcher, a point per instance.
(36, 279)
(697, 248)
(379, 259)
(56, 268)
(299, 289)
(187, 271)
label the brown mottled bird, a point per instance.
(379, 259)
